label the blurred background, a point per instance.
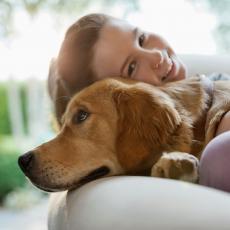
(31, 32)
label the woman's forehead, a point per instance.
(119, 24)
(114, 44)
(114, 31)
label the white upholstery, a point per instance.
(145, 203)
(140, 203)
(206, 64)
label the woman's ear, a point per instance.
(147, 120)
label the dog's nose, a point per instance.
(25, 161)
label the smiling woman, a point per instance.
(124, 50)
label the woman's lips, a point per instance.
(170, 72)
(170, 67)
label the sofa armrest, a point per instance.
(134, 203)
(206, 64)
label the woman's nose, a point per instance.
(155, 58)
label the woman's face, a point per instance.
(127, 51)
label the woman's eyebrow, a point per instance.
(134, 36)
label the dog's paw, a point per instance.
(177, 165)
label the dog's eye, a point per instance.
(80, 116)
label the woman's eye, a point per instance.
(131, 68)
(80, 116)
(141, 40)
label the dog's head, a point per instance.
(113, 127)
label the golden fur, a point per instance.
(128, 128)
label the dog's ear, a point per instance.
(146, 122)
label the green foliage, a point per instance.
(5, 128)
(11, 176)
(24, 108)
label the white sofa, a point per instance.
(145, 203)
(206, 64)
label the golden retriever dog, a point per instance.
(124, 127)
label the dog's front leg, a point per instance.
(177, 165)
